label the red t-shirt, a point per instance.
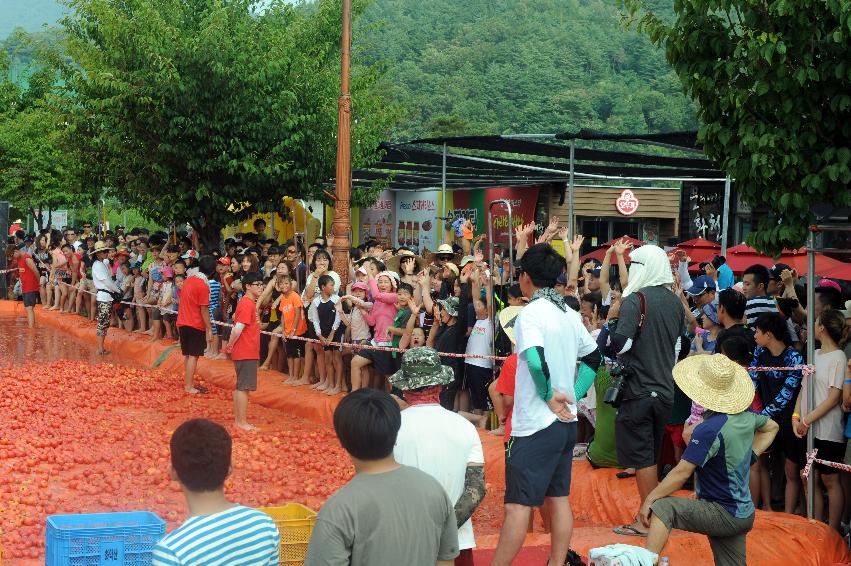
(505, 385)
(247, 346)
(29, 280)
(194, 296)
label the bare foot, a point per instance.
(264, 367)
(220, 356)
(483, 422)
(322, 386)
(332, 391)
(103, 352)
(499, 431)
(191, 390)
(302, 381)
(246, 426)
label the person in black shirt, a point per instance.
(446, 336)
(731, 314)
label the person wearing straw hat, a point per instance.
(440, 442)
(444, 254)
(719, 453)
(102, 278)
(407, 264)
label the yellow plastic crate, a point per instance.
(295, 523)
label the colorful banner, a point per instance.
(378, 221)
(471, 205)
(523, 202)
(416, 220)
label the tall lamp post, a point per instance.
(343, 186)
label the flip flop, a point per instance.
(202, 389)
(629, 531)
(624, 475)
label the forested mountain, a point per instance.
(498, 66)
(512, 66)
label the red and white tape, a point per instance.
(811, 459)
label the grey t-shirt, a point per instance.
(653, 353)
(398, 517)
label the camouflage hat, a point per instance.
(421, 367)
(450, 305)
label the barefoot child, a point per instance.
(244, 347)
(293, 323)
(326, 321)
(383, 288)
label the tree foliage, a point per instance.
(772, 81)
(205, 111)
(37, 172)
(502, 66)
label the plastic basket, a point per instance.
(103, 539)
(295, 523)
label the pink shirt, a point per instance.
(383, 311)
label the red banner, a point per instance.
(523, 201)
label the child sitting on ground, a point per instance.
(326, 324)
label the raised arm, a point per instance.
(573, 268)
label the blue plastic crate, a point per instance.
(103, 539)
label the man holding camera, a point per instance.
(646, 338)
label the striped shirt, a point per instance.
(238, 536)
(757, 306)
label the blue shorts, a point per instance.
(539, 465)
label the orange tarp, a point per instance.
(599, 500)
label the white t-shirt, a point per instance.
(830, 372)
(440, 443)
(564, 340)
(480, 343)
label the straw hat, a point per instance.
(102, 247)
(444, 251)
(715, 382)
(395, 262)
(507, 318)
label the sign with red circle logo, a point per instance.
(627, 203)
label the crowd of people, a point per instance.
(658, 371)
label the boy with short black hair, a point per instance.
(367, 422)
(326, 323)
(244, 347)
(200, 463)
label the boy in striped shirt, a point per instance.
(217, 532)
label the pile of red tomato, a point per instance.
(81, 438)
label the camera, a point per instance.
(614, 394)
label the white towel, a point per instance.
(625, 554)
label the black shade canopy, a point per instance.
(487, 161)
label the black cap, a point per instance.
(778, 270)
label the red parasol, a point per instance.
(700, 250)
(742, 256)
(841, 271)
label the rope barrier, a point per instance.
(811, 459)
(8, 270)
(806, 369)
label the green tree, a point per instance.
(772, 81)
(206, 111)
(37, 173)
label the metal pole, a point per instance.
(272, 228)
(725, 234)
(811, 352)
(571, 229)
(443, 184)
(491, 312)
(125, 219)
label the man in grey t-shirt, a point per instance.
(388, 514)
(647, 340)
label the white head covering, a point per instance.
(650, 267)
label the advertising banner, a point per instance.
(523, 202)
(416, 220)
(378, 221)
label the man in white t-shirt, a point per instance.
(438, 442)
(550, 340)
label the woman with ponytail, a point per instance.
(827, 416)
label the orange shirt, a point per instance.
(289, 305)
(467, 231)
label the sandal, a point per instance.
(624, 475)
(629, 531)
(201, 389)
